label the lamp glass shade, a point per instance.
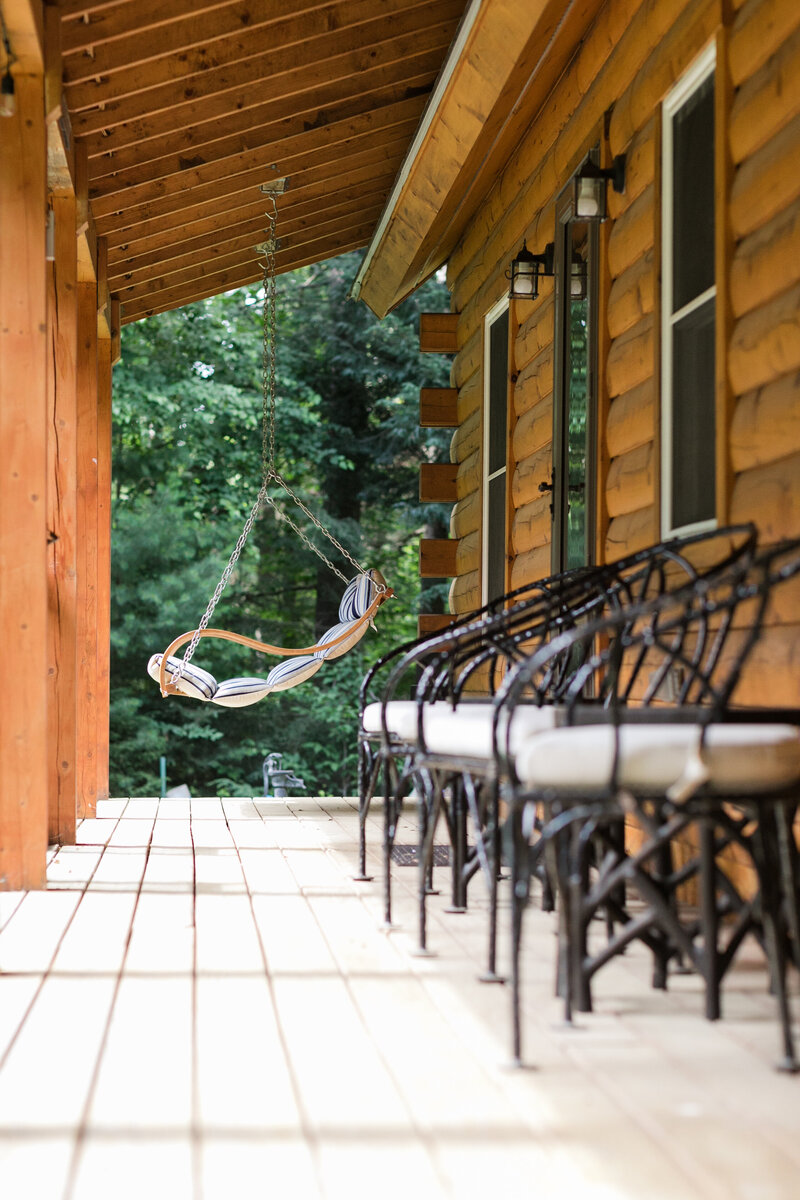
(590, 197)
(8, 99)
(524, 276)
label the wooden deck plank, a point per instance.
(144, 1084)
(97, 937)
(239, 1166)
(348, 1065)
(30, 939)
(244, 1083)
(134, 1167)
(227, 942)
(44, 1086)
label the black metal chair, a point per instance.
(446, 748)
(732, 776)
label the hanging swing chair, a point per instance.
(363, 594)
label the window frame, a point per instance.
(690, 82)
(490, 318)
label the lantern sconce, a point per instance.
(589, 188)
(526, 271)
(8, 99)
(578, 278)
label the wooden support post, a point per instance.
(87, 548)
(431, 623)
(103, 563)
(23, 507)
(62, 325)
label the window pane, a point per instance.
(496, 534)
(498, 392)
(693, 445)
(576, 432)
(693, 196)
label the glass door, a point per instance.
(574, 390)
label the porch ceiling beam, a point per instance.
(129, 268)
(245, 57)
(161, 273)
(507, 60)
(281, 136)
(94, 24)
(24, 20)
(198, 186)
(200, 289)
(298, 94)
(210, 36)
(369, 164)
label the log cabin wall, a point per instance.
(610, 96)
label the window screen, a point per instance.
(689, 302)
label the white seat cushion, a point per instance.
(241, 691)
(465, 730)
(194, 682)
(741, 759)
(337, 631)
(292, 671)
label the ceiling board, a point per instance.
(185, 110)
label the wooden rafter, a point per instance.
(182, 112)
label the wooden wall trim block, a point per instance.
(437, 483)
(438, 333)
(432, 623)
(438, 558)
(438, 408)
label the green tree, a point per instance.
(188, 459)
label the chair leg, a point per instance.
(768, 860)
(789, 876)
(458, 902)
(429, 805)
(368, 768)
(519, 895)
(494, 841)
(709, 918)
(391, 809)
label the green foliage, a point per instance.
(187, 467)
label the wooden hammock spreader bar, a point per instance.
(168, 689)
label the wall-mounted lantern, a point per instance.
(527, 269)
(8, 99)
(589, 188)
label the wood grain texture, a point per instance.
(61, 524)
(23, 512)
(766, 423)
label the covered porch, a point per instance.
(202, 1003)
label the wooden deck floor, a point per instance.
(202, 1006)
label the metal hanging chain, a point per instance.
(269, 471)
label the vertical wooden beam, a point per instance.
(103, 563)
(23, 482)
(61, 523)
(86, 375)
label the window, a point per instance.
(574, 388)
(688, 303)
(495, 451)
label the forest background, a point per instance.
(187, 461)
